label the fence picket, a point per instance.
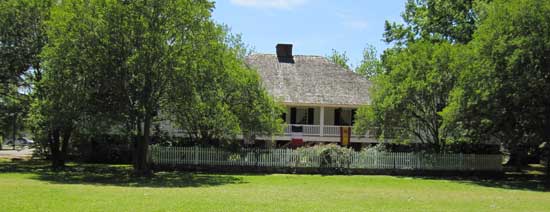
(289, 158)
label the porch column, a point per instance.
(322, 120)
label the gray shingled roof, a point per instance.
(310, 80)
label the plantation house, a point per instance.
(320, 97)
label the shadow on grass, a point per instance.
(115, 175)
(513, 182)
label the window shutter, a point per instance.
(337, 116)
(310, 116)
(293, 115)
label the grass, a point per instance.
(31, 186)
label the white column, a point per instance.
(322, 120)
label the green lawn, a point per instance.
(30, 186)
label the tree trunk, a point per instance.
(54, 140)
(59, 144)
(135, 141)
(142, 167)
(547, 174)
(65, 137)
(546, 148)
(516, 157)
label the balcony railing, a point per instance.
(304, 129)
(315, 130)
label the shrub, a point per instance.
(333, 158)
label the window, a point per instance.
(302, 116)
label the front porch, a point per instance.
(319, 124)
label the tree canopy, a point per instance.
(338, 58)
(502, 93)
(370, 65)
(407, 100)
(434, 20)
(22, 37)
(135, 63)
(469, 71)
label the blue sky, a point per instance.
(315, 27)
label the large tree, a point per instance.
(61, 95)
(419, 71)
(503, 92)
(225, 97)
(22, 36)
(408, 97)
(124, 56)
(144, 61)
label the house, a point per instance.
(320, 97)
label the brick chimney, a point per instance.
(284, 53)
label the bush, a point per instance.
(334, 159)
(378, 148)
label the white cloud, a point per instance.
(351, 21)
(276, 4)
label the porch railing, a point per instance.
(315, 130)
(302, 128)
(289, 129)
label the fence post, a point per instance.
(394, 156)
(196, 155)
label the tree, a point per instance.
(225, 98)
(434, 20)
(408, 97)
(13, 109)
(143, 61)
(420, 71)
(370, 65)
(22, 37)
(502, 93)
(124, 55)
(340, 59)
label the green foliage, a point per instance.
(370, 65)
(503, 90)
(21, 39)
(408, 98)
(117, 67)
(13, 105)
(226, 98)
(466, 72)
(111, 60)
(340, 59)
(378, 148)
(333, 158)
(434, 20)
(419, 72)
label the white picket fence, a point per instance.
(289, 158)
